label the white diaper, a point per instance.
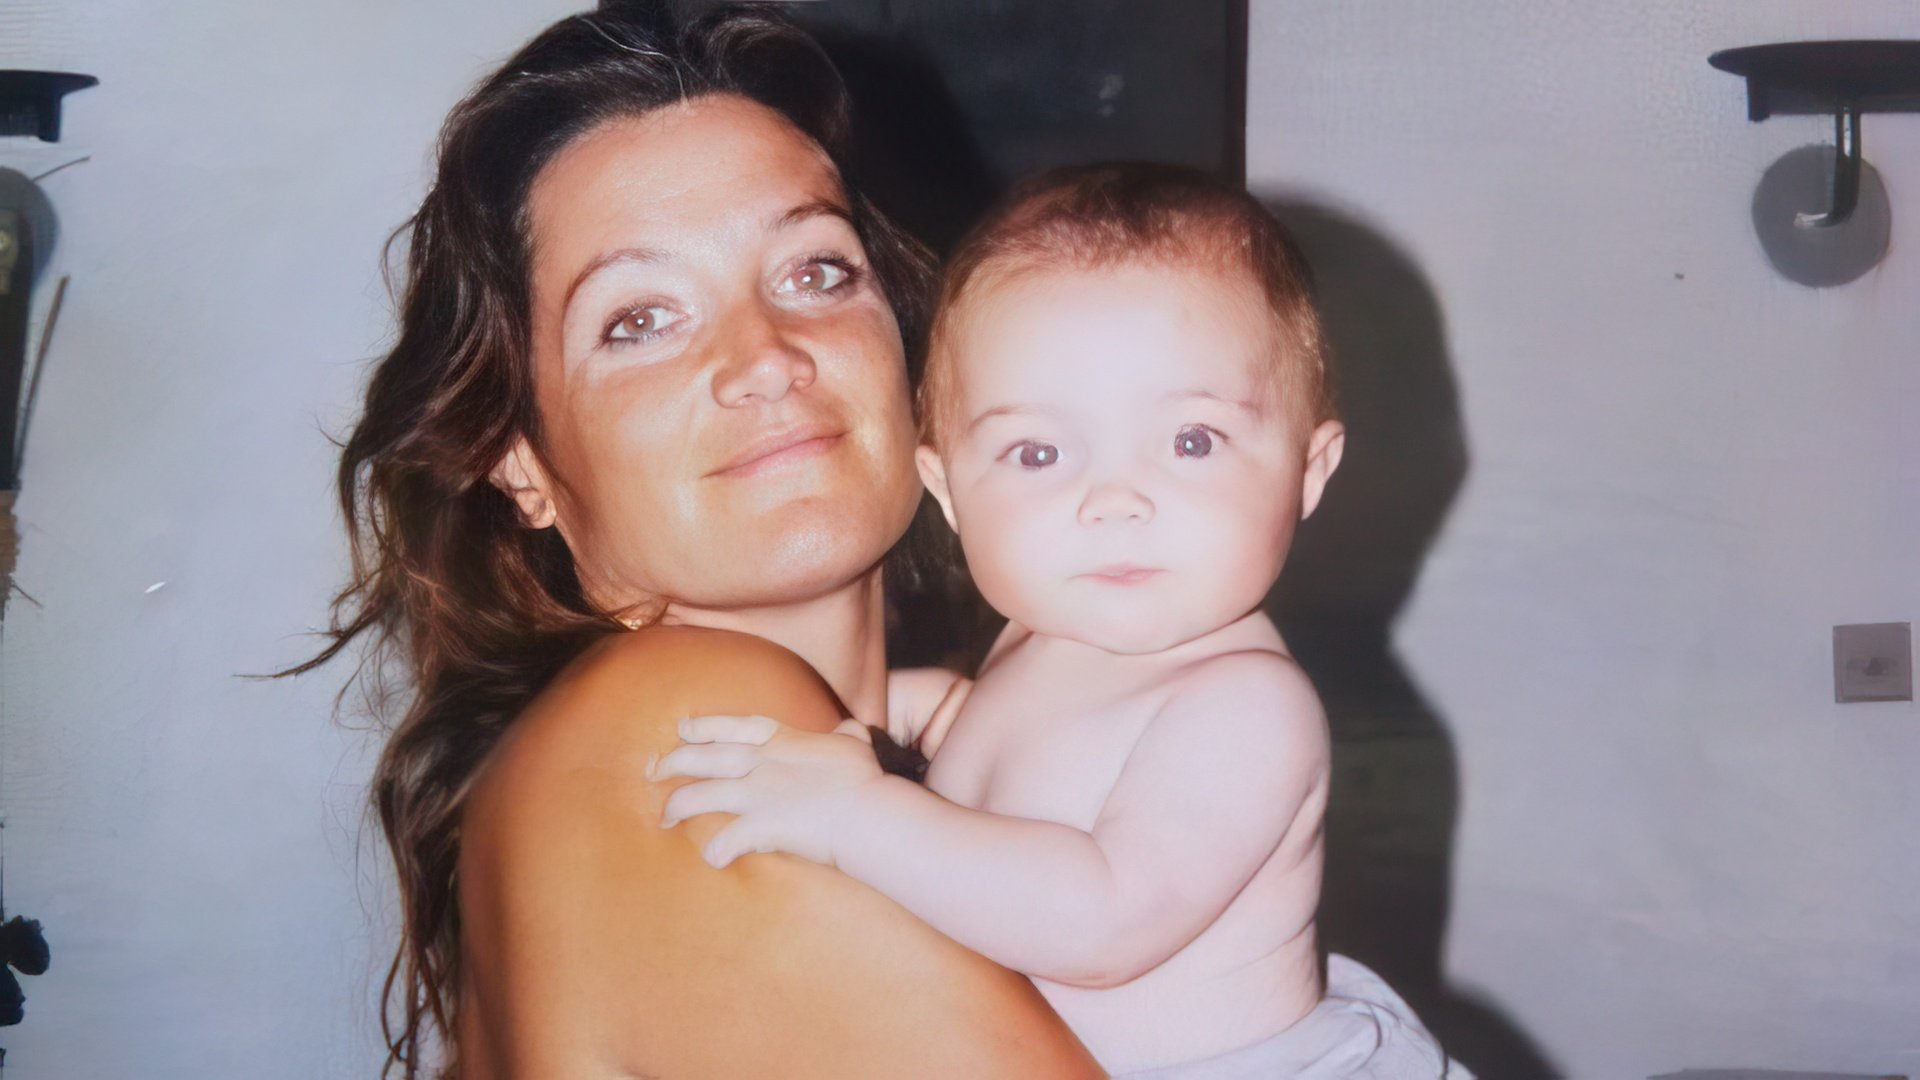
(1362, 1030)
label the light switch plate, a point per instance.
(1873, 662)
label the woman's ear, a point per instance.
(1329, 441)
(933, 473)
(519, 475)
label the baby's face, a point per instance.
(1118, 470)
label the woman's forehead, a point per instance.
(678, 176)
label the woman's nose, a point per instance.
(763, 363)
(1114, 500)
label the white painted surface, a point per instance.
(194, 842)
(1674, 849)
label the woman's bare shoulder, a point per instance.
(562, 858)
(596, 942)
(617, 705)
(659, 673)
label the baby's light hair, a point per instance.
(1091, 217)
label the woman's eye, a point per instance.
(643, 323)
(1036, 455)
(818, 276)
(1193, 442)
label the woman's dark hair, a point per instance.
(477, 610)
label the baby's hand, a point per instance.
(790, 788)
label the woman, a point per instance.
(649, 374)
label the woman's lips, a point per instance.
(777, 451)
(1122, 574)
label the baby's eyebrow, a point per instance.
(1006, 410)
(1250, 407)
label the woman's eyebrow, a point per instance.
(786, 219)
(602, 261)
(808, 210)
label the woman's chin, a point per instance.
(803, 556)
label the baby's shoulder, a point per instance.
(1253, 697)
(1264, 675)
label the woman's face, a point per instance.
(720, 381)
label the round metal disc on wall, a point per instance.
(1829, 255)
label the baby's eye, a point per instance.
(1195, 441)
(1036, 455)
(643, 323)
(817, 276)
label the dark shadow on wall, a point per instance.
(1395, 799)
(916, 157)
(914, 152)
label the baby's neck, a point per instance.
(1251, 631)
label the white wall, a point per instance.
(1674, 849)
(193, 842)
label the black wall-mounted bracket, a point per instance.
(1841, 78)
(30, 101)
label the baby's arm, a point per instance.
(1205, 797)
(1208, 792)
(921, 704)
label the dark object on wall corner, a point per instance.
(1844, 79)
(30, 101)
(29, 105)
(13, 1000)
(24, 949)
(27, 229)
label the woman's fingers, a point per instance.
(705, 797)
(713, 761)
(741, 729)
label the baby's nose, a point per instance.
(1115, 501)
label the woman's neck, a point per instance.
(842, 635)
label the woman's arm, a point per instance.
(597, 944)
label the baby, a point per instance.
(1125, 415)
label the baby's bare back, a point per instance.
(1115, 744)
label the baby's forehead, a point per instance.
(1154, 323)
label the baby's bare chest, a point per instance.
(1025, 746)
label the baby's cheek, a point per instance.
(1254, 543)
(1008, 558)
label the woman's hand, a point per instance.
(791, 789)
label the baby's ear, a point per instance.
(519, 475)
(933, 473)
(1328, 442)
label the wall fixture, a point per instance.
(1838, 230)
(29, 105)
(30, 101)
